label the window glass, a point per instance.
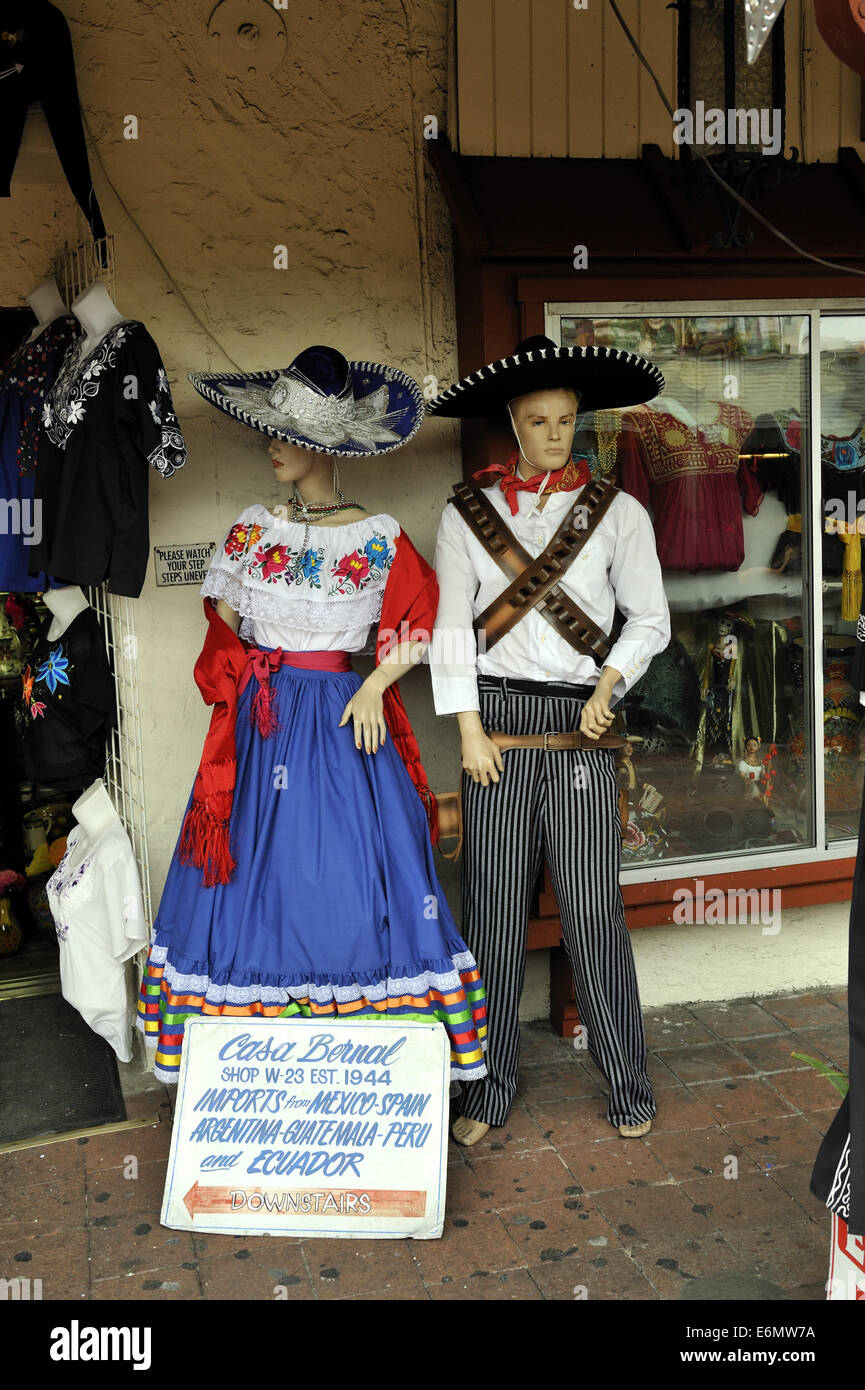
(719, 727)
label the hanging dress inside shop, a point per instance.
(108, 421)
(319, 893)
(694, 483)
(24, 382)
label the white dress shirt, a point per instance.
(617, 565)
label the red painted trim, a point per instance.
(652, 904)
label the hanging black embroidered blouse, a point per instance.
(68, 694)
(24, 382)
(108, 420)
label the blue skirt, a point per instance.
(334, 907)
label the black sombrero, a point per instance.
(602, 377)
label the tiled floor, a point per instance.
(555, 1205)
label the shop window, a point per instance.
(722, 727)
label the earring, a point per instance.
(336, 488)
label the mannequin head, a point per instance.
(293, 464)
(544, 422)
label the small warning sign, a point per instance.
(182, 564)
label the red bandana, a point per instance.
(567, 479)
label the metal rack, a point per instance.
(75, 269)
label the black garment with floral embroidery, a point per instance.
(108, 420)
(69, 707)
(31, 372)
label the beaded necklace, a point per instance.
(309, 510)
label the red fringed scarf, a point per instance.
(566, 479)
(408, 613)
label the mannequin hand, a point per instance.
(366, 708)
(482, 758)
(596, 716)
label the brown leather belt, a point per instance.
(554, 743)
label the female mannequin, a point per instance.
(319, 894)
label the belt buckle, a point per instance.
(547, 748)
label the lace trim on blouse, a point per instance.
(255, 602)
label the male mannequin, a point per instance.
(532, 683)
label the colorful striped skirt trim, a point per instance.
(167, 999)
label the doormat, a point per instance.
(55, 1072)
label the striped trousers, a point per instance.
(564, 806)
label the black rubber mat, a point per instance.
(55, 1072)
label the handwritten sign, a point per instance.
(182, 564)
(292, 1126)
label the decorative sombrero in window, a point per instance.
(602, 377)
(322, 402)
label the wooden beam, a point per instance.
(467, 220)
(690, 227)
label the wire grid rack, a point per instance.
(75, 270)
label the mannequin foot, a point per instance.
(635, 1131)
(468, 1132)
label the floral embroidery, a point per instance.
(76, 381)
(36, 707)
(79, 380)
(360, 566)
(353, 568)
(308, 567)
(30, 372)
(240, 538)
(53, 669)
(61, 888)
(275, 562)
(273, 559)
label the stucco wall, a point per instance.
(324, 156)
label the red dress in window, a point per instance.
(694, 483)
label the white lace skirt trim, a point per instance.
(447, 983)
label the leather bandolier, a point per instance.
(536, 583)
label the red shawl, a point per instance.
(408, 613)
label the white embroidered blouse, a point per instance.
(326, 597)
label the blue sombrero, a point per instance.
(322, 402)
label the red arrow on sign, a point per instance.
(306, 1201)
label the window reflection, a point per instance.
(719, 728)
